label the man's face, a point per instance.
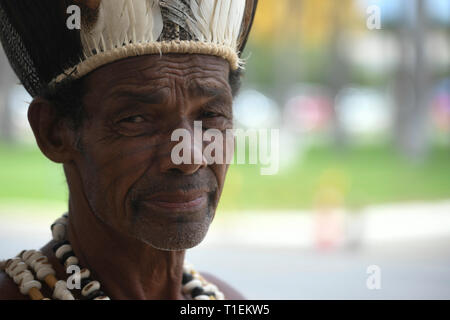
(129, 179)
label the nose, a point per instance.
(183, 152)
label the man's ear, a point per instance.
(53, 137)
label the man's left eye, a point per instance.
(209, 114)
(133, 119)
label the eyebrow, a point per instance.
(219, 98)
(202, 90)
(216, 95)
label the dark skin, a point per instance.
(133, 212)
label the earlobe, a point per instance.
(52, 135)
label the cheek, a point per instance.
(220, 171)
(114, 169)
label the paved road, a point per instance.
(307, 274)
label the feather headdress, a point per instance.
(116, 29)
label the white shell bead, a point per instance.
(187, 267)
(39, 260)
(66, 295)
(71, 261)
(44, 271)
(21, 266)
(219, 295)
(14, 262)
(62, 220)
(188, 287)
(210, 287)
(38, 265)
(63, 250)
(202, 297)
(26, 286)
(24, 276)
(85, 273)
(58, 232)
(90, 287)
(27, 254)
(34, 256)
(60, 291)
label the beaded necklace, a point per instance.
(30, 267)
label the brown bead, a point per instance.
(35, 294)
(51, 281)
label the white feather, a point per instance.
(91, 39)
(123, 21)
(132, 15)
(202, 27)
(218, 21)
(113, 22)
(140, 22)
(235, 20)
(145, 20)
(203, 11)
(85, 40)
(132, 21)
(156, 20)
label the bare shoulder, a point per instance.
(8, 289)
(229, 292)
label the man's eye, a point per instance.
(133, 119)
(209, 114)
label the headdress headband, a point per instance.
(115, 29)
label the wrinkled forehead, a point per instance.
(154, 69)
(158, 80)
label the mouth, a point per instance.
(178, 202)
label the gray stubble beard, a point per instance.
(186, 235)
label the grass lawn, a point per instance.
(354, 178)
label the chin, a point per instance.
(172, 233)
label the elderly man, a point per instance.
(106, 99)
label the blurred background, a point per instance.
(364, 120)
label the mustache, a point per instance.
(203, 180)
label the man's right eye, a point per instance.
(133, 119)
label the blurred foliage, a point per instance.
(303, 22)
(292, 38)
(354, 178)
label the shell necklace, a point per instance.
(30, 267)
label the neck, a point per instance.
(126, 267)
